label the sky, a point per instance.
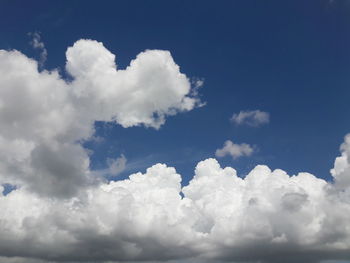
(118, 119)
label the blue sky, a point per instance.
(289, 60)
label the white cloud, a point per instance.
(251, 118)
(60, 213)
(151, 88)
(43, 117)
(341, 170)
(234, 150)
(266, 216)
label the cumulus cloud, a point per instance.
(253, 118)
(40, 46)
(234, 150)
(61, 212)
(44, 118)
(267, 216)
(341, 168)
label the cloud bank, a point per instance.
(268, 216)
(61, 212)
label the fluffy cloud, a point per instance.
(44, 118)
(151, 88)
(341, 170)
(251, 118)
(61, 212)
(234, 150)
(267, 216)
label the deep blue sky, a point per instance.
(289, 58)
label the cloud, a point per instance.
(36, 43)
(234, 150)
(116, 166)
(40, 141)
(341, 170)
(61, 212)
(148, 90)
(251, 118)
(267, 216)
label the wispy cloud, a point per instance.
(114, 167)
(253, 118)
(37, 44)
